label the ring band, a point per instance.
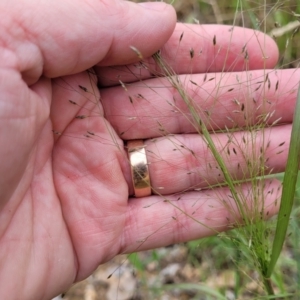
(139, 168)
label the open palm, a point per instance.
(65, 197)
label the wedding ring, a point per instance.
(139, 168)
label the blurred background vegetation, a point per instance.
(211, 268)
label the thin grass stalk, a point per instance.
(203, 130)
(288, 191)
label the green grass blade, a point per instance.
(288, 191)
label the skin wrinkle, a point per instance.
(95, 175)
(19, 185)
(180, 107)
(130, 226)
(189, 159)
(85, 105)
(28, 215)
(184, 222)
(40, 232)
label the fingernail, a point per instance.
(158, 6)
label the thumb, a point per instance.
(56, 38)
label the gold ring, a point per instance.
(139, 168)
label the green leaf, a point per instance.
(288, 190)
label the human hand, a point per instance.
(66, 204)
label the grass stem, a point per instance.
(288, 191)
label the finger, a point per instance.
(224, 100)
(192, 215)
(185, 162)
(202, 49)
(83, 34)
